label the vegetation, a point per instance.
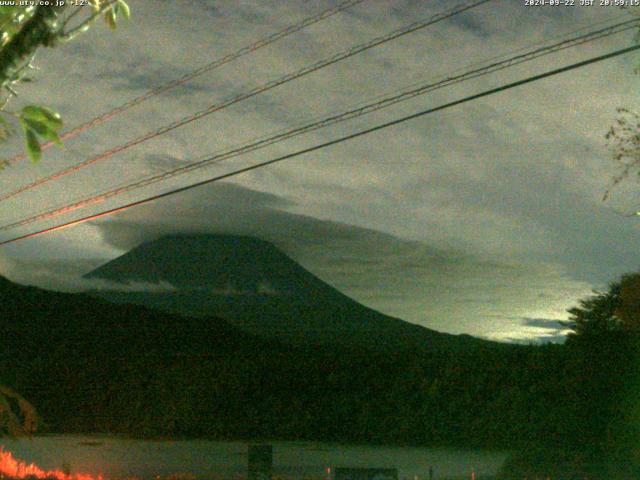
(18, 420)
(23, 30)
(624, 137)
(602, 366)
(94, 367)
(129, 370)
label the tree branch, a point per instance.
(83, 26)
(39, 30)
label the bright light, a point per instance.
(13, 468)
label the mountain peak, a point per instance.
(207, 262)
(255, 286)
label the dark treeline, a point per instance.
(89, 366)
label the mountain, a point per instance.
(256, 287)
(90, 366)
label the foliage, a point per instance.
(628, 308)
(623, 138)
(24, 29)
(595, 316)
(39, 121)
(17, 421)
(609, 314)
(125, 369)
(601, 364)
(129, 370)
(604, 354)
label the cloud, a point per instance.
(546, 323)
(544, 330)
(66, 276)
(448, 290)
(465, 220)
(539, 339)
(152, 77)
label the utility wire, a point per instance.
(586, 29)
(327, 121)
(274, 37)
(244, 96)
(329, 143)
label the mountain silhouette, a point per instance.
(91, 366)
(256, 287)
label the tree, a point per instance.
(595, 316)
(604, 355)
(616, 311)
(628, 308)
(23, 30)
(624, 138)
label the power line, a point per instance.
(244, 96)
(291, 29)
(385, 102)
(329, 143)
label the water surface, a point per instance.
(118, 457)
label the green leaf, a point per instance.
(95, 5)
(41, 129)
(111, 17)
(55, 138)
(33, 147)
(123, 9)
(44, 115)
(7, 14)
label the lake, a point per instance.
(118, 457)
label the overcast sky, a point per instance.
(485, 218)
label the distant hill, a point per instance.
(90, 366)
(256, 287)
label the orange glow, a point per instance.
(17, 469)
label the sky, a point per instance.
(486, 218)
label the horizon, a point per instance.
(131, 271)
(483, 219)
